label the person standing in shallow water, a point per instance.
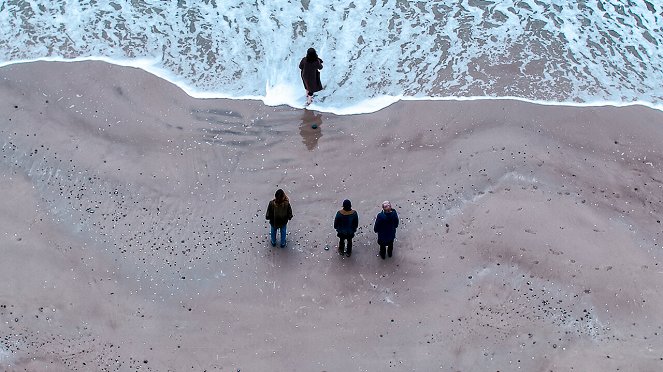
(345, 223)
(386, 223)
(310, 67)
(279, 212)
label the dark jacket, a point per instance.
(311, 75)
(278, 214)
(346, 223)
(385, 226)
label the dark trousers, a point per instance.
(386, 246)
(341, 244)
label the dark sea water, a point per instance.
(374, 51)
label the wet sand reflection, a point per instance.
(310, 129)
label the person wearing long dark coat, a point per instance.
(386, 223)
(310, 67)
(346, 223)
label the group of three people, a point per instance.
(346, 222)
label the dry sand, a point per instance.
(133, 238)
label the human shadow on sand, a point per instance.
(310, 129)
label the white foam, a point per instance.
(544, 52)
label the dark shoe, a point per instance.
(382, 255)
(348, 254)
(389, 253)
(341, 252)
(273, 244)
(282, 245)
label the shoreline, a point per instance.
(135, 239)
(368, 106)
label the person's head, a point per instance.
(347, 205)
(386, 206)
(279, 196)
(311, 55)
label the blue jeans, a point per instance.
(273, 234)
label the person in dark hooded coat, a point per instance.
(386, 223)
(346, 222)
(310, 67)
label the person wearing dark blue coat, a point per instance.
(386, 223)
(346, 222)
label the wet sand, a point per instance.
(133, 236)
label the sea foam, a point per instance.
(374, 52)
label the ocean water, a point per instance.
(374, 51)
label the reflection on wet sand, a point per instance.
(310, 129)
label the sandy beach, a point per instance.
(133, 233)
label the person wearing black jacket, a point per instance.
(310, 67)
(386, 223)
(346, 223)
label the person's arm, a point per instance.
(397, 219)
(377, 223)
(270, 212)
(319, 64)
(355, 222)
(301, 64)
(289, 212)
(337, 221)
